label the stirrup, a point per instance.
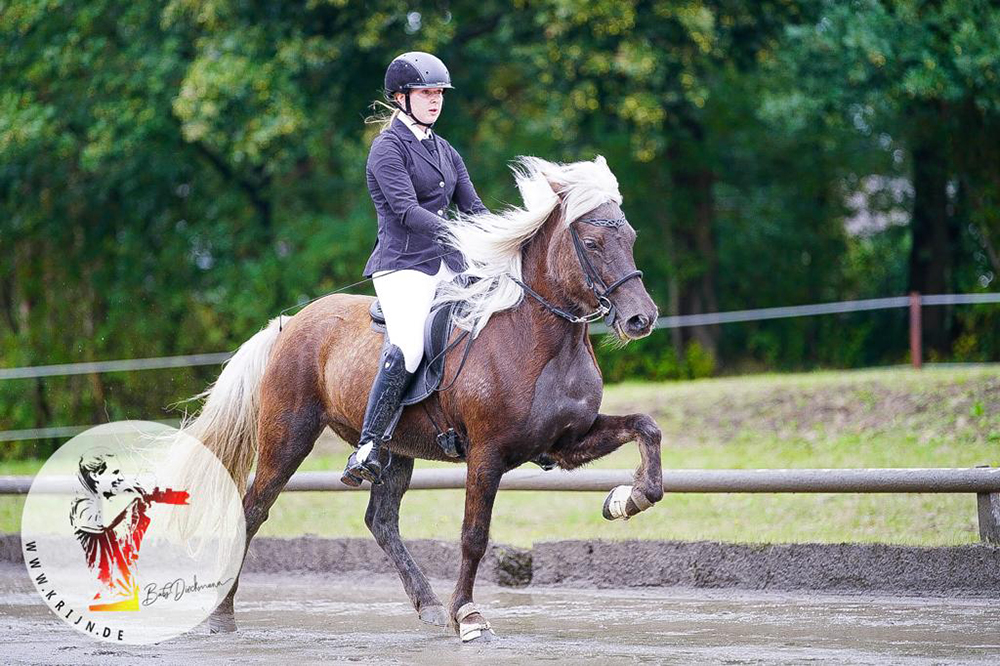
(366, 467)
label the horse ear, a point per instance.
(558, 186)
(529, 168)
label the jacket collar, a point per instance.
(413, 127)
(406, 134)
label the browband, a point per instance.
(603, 222)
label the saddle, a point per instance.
(438, 329)
(427, 377)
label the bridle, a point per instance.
(601, 291)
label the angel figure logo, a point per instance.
(133, 532)
(112, 548)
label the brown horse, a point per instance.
(530, 384)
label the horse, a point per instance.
(530, 385)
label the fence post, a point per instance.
(989, 516)
(916, 351)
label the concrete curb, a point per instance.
(503, 565)
(972, 570)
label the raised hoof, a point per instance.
(221, 624)
(435, 615)
(623, 502)
(618, 504)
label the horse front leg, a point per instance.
(482, 482)
(607, 434)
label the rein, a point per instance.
(601, 291)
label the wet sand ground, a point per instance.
(313, 618)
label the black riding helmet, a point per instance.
(411, 71)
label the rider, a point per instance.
(414, 175)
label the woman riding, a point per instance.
(414, 175)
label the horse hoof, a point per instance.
(623, 502)
(221, 624)
(473, 630)
(435, 615)
(616, 503)
(483, 637)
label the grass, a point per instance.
(941, 417)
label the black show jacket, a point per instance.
(412, 192)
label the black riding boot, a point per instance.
(380, 418)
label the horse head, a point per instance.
(590, 252)
(571, 236)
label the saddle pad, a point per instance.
(437, 332)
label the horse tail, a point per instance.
(227, 422)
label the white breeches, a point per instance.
(405, 296)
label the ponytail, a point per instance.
(383, 115)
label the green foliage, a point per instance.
(653, 357)
(173, 175)
(699, 361)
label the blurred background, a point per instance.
(174, 174)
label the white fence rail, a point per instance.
(984, 482)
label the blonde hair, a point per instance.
(382, 114)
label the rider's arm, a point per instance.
(465, 194)
(389, 170)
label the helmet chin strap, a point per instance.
(409, 111)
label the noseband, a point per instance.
(600, 290)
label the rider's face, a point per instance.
(425, 103)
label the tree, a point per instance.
(925, 74)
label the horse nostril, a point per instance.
(638, 323)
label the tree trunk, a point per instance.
(694, 233)
(931, 230)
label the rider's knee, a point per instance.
(413, 352)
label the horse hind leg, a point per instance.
(607, 434)
(382, 518)
(286, 438)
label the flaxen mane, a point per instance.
(491, 242)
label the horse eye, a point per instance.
(589, 244)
